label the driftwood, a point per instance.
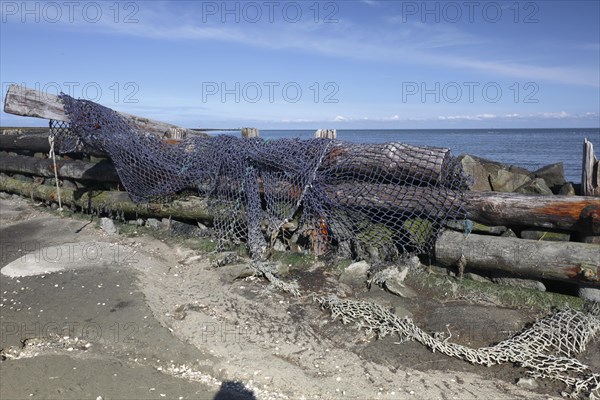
(573, 213)
(33, 103)
(590, 171)
(191, 208)
(389, 161)
(563, 261)
(103, 171)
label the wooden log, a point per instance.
(33, 103)
(387, 162)
(572, 213)
(409, 199)
(325, 134)
(562, 261)
(103, 171)
(248, 133)
(34, 143)
(590, 171)
(191, 208)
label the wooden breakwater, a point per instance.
(536, 217)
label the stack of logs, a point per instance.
(89, 182)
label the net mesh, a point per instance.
(386, 199)
(547, 349)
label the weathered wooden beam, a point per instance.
(33, 103)
(562, 261)
(103, 171)
(572, 213)
(248, 133)
(590, 171)
(192, 208)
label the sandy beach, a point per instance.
(133, 316)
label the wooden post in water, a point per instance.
(325, 134)
(590, 171)
(248, 133)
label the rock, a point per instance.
(225, 259)
(201, 226)
(591, 239)
(567, 189)
(507, 180)
(138, 222)
(355, 275)
(545, 235)
(69, 184)
(279, 246)
(527, 383)
(4, 196)
(152, 223)
(188, 230)
(588, 293)
(523, 283)
(230, 273)
(440, 270)
(108, 226)
(535, 186)
(490, 175)
(475, 169)
(509, 233)
(165, 224)
(475, 277)
(553, 175)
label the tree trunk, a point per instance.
(387, 162)
(572, 213)
(103, 171)
(35, 143)
(192, 208)
(563, 261)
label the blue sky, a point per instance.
(307, 64)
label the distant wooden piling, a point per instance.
(325, 134)
(248, 133)
(590, 172)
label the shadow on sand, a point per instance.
(232, 390)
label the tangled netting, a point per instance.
(546, 349)
(390, 197)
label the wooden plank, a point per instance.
(563, 261)
(33, 103)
